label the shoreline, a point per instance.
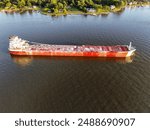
(70, 12)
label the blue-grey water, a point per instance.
(73, 84)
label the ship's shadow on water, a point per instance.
(27, 60)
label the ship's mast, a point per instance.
(130, 45)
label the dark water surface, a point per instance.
(70, 84)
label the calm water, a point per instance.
(61, 84)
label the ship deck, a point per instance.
(73, 48)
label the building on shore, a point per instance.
(112, 7)
(91, 10)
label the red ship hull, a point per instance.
(85, 54)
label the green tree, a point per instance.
(65, 11)
(53, 1)
(21, 3)
(8, 5)
(29, 3)
(14, 6)
(60, 5)
(56, 11)
(2, 5)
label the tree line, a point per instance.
(56, 5)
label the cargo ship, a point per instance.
(18, 46)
